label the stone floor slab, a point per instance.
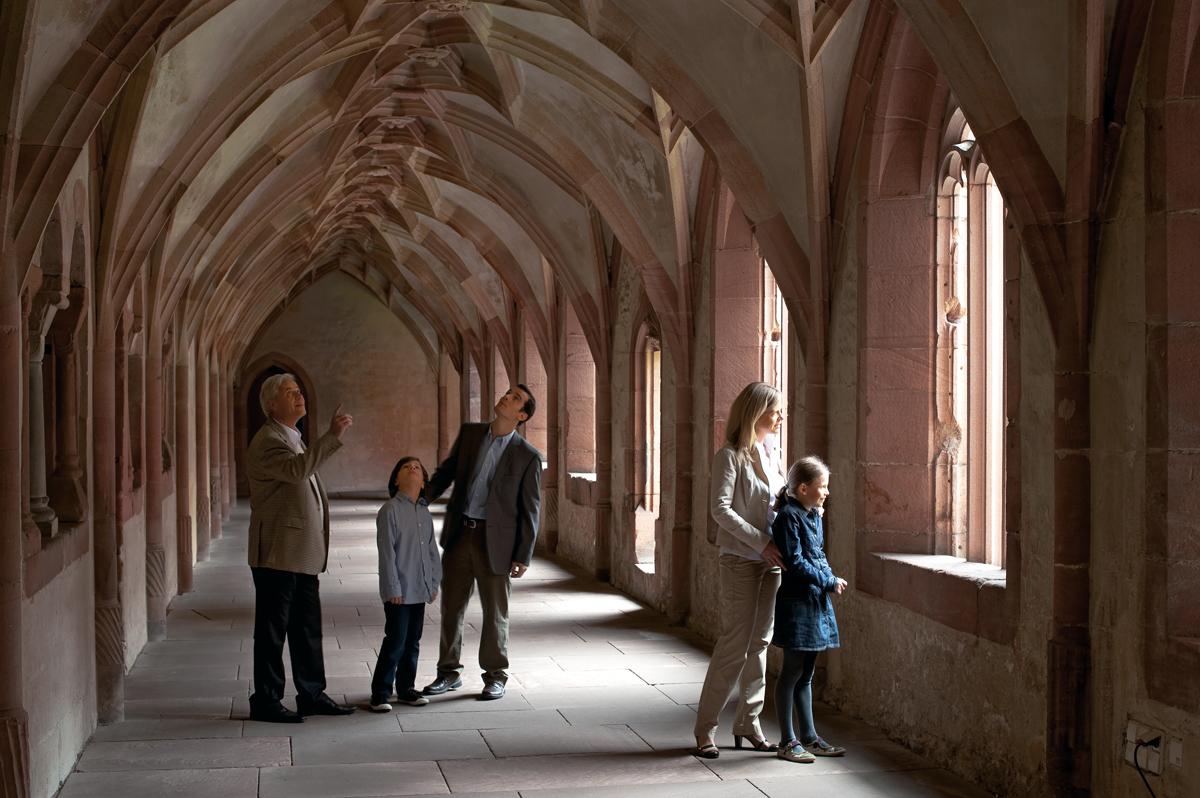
(346, 749)
(352, 781)
(185, 754)
(548, 720)
(533, 741)
(931, 783)
(588, 770)
(221, 783)
(696, 789)
(170, 729)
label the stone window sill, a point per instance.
(967, 596)
(581, 488)
(71, 543)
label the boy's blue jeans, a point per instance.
(795, 687)
(397, 664)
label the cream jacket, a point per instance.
(289, 512)
(740, 501)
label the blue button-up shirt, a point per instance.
(410, 564)
(489, 455)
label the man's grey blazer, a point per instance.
(289, 516)
(514, 497)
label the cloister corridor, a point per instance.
(601, 703)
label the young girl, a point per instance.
(804, 620)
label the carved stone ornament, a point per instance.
(444, 9)
(429, 56)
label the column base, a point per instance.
(14, 754)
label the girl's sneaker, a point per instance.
(412, 698)
(793, 751)
(819, 747)
(379, 704)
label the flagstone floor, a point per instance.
(600, 703)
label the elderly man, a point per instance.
(488, 535)
(289, 546)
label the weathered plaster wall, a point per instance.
(59, 652)
(133, 582)
(1120, 491)
(358, 353)
(576, 531)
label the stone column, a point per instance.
(152, 444)
(66, 481)
(39, 498)
(444, 433)
(226, 428)
(203, 505)
(184, 466)
(216, 488)
(603, 495)
(14, 745)
(110, 624)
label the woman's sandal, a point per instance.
(757, 743)
(819, 747)
(706, 751)
(793, 751)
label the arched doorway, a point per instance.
(250, 415)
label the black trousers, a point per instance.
(397, 664)
(286, 605)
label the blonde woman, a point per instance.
(745, 476)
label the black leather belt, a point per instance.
(473, 523)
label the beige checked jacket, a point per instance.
(289, 514)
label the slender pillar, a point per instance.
(152, 442)
(183, 471)
(444, 432)
(226, 428)
(110, 624)
(603, 495)
(203, 505)
(215, 490)
(39, 498)
(66, 481)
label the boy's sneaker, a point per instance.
(412, 698)
(380, 704)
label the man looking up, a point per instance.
(488, 535)
(289, 546)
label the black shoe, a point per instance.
(275, 714)
(442, 684)
(321, 705)
(492, 691)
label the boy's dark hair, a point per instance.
(392, 489)
(531, 405)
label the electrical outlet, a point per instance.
(1175, 752)
(1149, 758)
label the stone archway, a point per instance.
(249, 414)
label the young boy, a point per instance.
(410, 570)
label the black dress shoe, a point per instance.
(442, 684)
(321, 705)
(276, 714)
(492, 691)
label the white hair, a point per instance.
(270, 391)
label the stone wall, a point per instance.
(1122, 490)
(60, 674)
(359, 354)
(133, 583)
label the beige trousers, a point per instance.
(739, 659)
